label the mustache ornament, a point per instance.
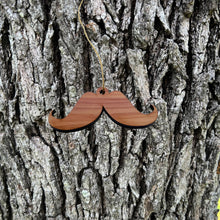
(90, 107)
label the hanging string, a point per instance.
(100, 61)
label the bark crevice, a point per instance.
(8, 78)
(8, 214)
(46, 7)
(58, 72)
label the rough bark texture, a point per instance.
(164, 52)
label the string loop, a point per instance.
(100, 61)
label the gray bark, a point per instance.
(156, 52)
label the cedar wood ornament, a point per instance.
(90, 107)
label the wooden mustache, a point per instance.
(90, 107)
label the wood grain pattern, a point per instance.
(90, 106)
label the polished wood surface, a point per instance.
(90, 106)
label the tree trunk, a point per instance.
(156, 52)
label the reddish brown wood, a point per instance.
(90, 106)
(218, 168)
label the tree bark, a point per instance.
(156, 52)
